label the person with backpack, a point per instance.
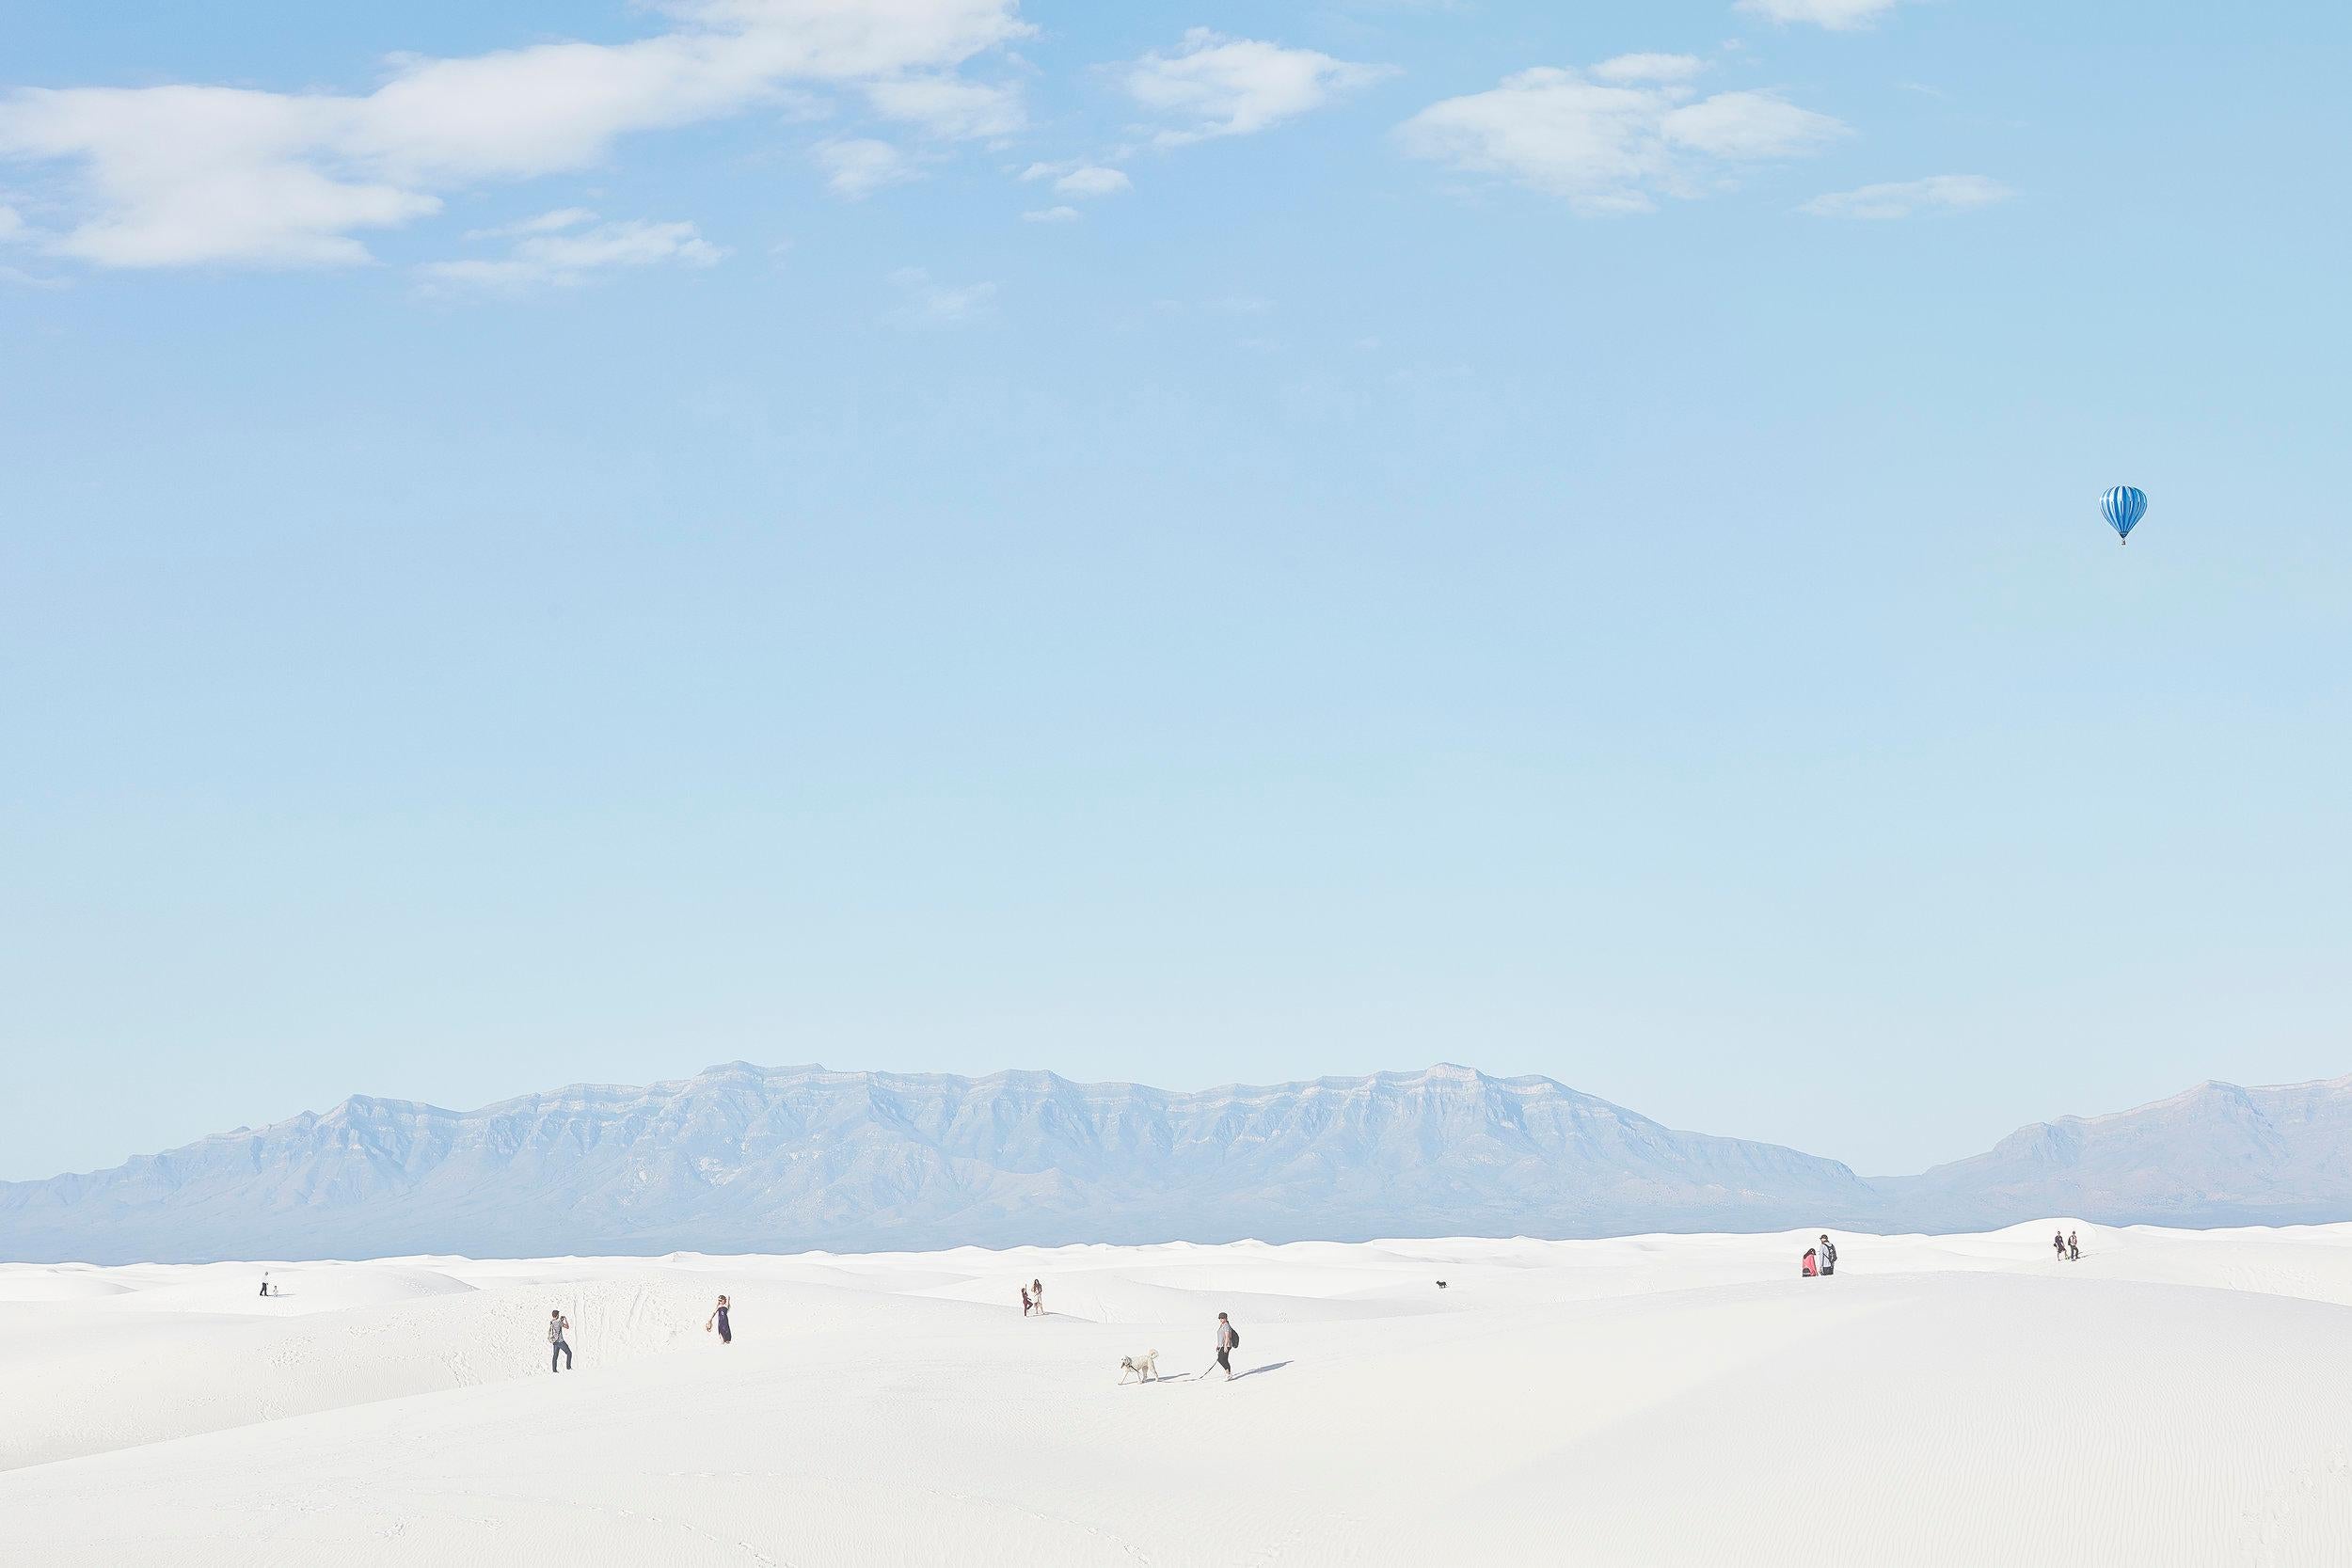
(559, 1347)
(1829, 1257)
(1228, 1341)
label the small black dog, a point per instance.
(1440, 1284)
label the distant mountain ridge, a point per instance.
(2213, 1155)
(743, 1158)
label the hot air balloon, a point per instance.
(2123, 506)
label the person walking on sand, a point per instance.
(1036, 1293)
(2058, 1245)
(1829, 1256)
(1228, 1340)
(1027, 1306)
(719, 1319)
(2074, 1248)
(559, 1347)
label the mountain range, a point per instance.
(742, 1158)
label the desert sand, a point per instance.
(2174, 1398)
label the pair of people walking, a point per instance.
(2068, 1245)
(1033, 1299)
(560, 1333)
(1821, 1260)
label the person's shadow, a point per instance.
(1269, 1367)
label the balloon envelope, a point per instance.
(2123, 506)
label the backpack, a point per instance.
(1232, 1337)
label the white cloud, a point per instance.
(545, 222)
(564, 259)
(1227, 87)
(1093, 180)
(928, 303)
(13, 231)
(1937, 193)
(949, 106)
(1838, 15)
(1610, 147)
(856, 168)
(1749, 126)
(1051, 215)
(188, 174)
(1649, 68)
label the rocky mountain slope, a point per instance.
(742, 1158)
(747, 1158)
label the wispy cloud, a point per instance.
(545, 222)
(185, 174)
(1938, 193)
(1836, 15)
(553, 259)
(1093, 180)
(928, 303)
(1227, 87)
(857, 166)
(950, 106)
(1649, 68)
(1051, 215)
(1612, 138)
(15, 233)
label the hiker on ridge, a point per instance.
(559, 1347)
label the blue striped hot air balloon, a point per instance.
(2122, 507)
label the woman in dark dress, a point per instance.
(719, 1319)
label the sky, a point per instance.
(1185, 543)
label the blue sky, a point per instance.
(1242, 541)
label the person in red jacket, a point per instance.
(1812, 1269)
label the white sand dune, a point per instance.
(2175, 1398)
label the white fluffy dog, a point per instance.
(1143, 1369)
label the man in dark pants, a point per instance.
(559, 1347)
(1829, 1256)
